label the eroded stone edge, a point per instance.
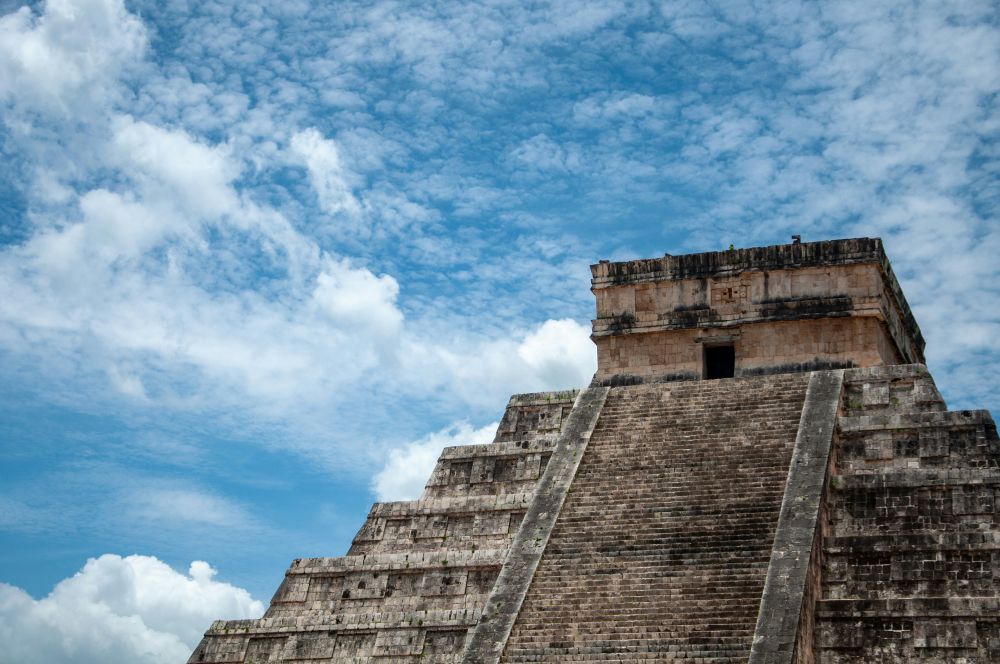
(792, 554)
(490, 635)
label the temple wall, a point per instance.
(761, 348)
(743, 296)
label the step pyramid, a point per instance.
(815, 503)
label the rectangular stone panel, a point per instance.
(371, 531)
(325, 588)
(404, 584)
(443, 582)
(367, 585)
(398, 529)
(444, 642)
(945, 633)
(293, 588)
(934, 443)
(972, 500)
(876, 394)
(313, 645)
(426, 527)
(264, 649)
(480, 581)
(398, 643)
(494, 523)
(459, 472)
(460, 526)
(218, 649)
(482, 470)
(350, 645)
(878, 446)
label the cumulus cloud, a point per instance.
(560, 353)
(171, 163)
(73, 50)
(408, 467)
(119, 610)
(357, 299)
(557, 354)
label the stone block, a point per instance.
(398, 643)
(945, 634)
(443, 583)
(264, 649)
(311, 645)
(353, 645)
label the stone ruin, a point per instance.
(761, 471)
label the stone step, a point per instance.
(917, 441)
(915, 502)
(480, 521)
(537, 416)
(908, 542)
(938, 629)
(895, 389)
(661, 548)
(350, 645)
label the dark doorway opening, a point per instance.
(720, 361)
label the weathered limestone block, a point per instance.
(911, 562)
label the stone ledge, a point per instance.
(503, 448)
(543, 398)
(399, 561)
(882, 422)
(919, 478)
(982, 541)
(913, 607)
(721, 263)
(323, 620)
(460, 504)
(890, 372)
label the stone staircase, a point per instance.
(661, 549)
(419, 572)
(911, 552)
(652, 536)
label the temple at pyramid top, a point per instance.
(743, 312)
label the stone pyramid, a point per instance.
(762, 471)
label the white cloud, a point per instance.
(542, 153)
(329, 177)
(604, 106)
(409, 467)
(172, 164)
(184, 507)
(555, 355)
(74, 50)
(355, 299)
(560, 353)
(131, 610)
(127, 383)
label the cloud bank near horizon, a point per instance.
(115, 610)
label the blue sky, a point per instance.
(259, 263)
